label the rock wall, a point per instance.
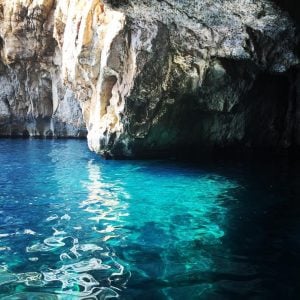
(34, 101)
(151, 77)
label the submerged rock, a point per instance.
(150, 78)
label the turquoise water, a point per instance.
(74, 226)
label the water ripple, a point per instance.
(94, 230)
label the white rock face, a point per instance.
(148, 77)
(85, 31)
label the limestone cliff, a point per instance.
(33, 99)
(151, 76)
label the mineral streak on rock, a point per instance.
(148, 77)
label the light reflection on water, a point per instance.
(76, 227)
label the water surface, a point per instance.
(74, 226)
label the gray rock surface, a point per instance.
(151, 77)
(33, 99)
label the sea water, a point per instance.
(75, 226)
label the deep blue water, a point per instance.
(74, 226)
